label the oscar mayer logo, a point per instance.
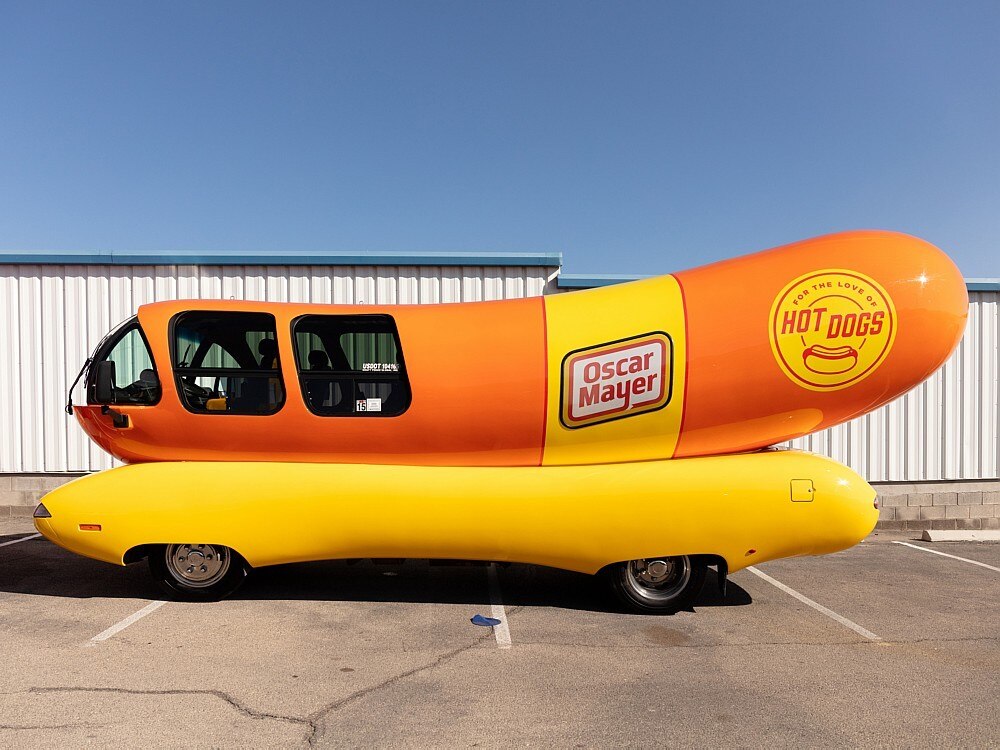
(616, 380)
(831, 329)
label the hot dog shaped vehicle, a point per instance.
(262, 429)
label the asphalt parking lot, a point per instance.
(881, 645)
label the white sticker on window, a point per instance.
(379, 367)
(368, 404)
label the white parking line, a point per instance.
(818, 607)
(497, 611)
(18, 541)
(953, 557)
(120, 626)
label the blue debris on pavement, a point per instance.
(486, 622)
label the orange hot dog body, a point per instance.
(737, 399)
(729, 357)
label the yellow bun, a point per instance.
(826, 361)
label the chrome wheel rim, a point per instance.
(197, 565)
(658, 579)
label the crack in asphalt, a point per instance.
(312, 723)
(946, 640)
(243, 709)
(21, 727)
(317, 717)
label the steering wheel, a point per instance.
(139, 392)
(195, 392)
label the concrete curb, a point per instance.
(940, 535)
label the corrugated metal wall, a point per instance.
(945, 428)
(53, 316)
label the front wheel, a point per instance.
(197, 572)
(657, 585)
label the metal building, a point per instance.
(936, 448)
(53, 313)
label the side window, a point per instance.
(351, 365)
(227, 363)
(134, 375)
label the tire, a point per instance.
(671, 585)
(197, 572)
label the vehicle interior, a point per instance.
(228, 363)
(351, 365)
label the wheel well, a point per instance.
(141, 551)
(137, 553)
(710, 559)
(718, 560)
(706, 560)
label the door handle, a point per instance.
(118, 420)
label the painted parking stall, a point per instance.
(332, 644)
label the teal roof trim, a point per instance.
(571, 281)
(983, 285)
(292, 258)
(581, 281)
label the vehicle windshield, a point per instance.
(134, 379)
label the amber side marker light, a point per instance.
(90, 527)
(41, 512)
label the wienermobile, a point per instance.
(623, 430)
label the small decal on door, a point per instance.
(368, 404)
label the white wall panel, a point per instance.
(10, 365)
(53, 316)
(945, 428)
(31, 362)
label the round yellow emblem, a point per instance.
(831, 329)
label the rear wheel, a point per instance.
(657, 585)
(197, 572)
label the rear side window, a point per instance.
(135, 380)
(351, 365)
(227, 363)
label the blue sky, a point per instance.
(633, 137)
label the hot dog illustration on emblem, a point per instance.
(825, 360)
(831, 328)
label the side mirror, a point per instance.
(104, 382)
